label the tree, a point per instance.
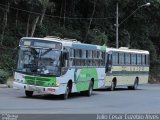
(5, 19)
(90, 22)
(45, 4)
(33, 5)
(34, 26)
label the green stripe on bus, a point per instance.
(40, 81)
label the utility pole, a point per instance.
(117, 25)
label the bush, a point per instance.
(3, 76)
(10, 55)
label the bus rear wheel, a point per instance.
(90, 89)
(113, 85)
(29, 93)
(135, 85)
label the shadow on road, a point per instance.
(57, 97)
(75, 95)
(116, 89)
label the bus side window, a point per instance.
(94, 54)
(121, 58)
(133, 59)
(103, 58)
(139, 59)
(127, 58)
(143, 60)
(115, 58)
(148, 59)
(86, 53)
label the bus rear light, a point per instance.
(51, 90)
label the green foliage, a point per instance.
(10, 41)
(124, 38)
(97, 37)
(4, 75)
(71, 19)
(8, 59)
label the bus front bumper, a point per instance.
(41, 89)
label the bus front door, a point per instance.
(108, 63)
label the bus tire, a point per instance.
(66, 94)
(135, 85)
(29, 93)
(130, 87)
(113, 85)
(90, 89)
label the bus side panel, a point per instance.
(83, 77)
(143, 79)
(125, 80)
(126, 75)
(123, 75)
(108, 79)
(64, 79)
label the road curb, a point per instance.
(3, 86)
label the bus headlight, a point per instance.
(20, 81)
(57, 85)
(17, 80)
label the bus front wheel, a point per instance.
(66, 94)
(29, 93)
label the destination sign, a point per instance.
(41, 43)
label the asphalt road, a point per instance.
(144, 100)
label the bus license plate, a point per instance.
(34, 88)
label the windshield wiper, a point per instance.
(46, 52)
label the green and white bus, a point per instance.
(58, 66)
(126, 67)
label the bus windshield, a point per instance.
(39, 61)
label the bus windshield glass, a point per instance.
(39, 61)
